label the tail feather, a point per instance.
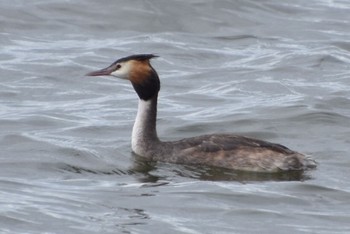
(308, 162)
(297, 162)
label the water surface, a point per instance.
(278, 71)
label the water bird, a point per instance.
(218, 150)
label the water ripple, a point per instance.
(276, 70)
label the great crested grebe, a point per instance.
(219, 150)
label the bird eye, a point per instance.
(118, 66)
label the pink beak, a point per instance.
(103, 72)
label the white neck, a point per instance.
(144, 133)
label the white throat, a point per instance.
(144, 130)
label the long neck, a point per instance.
(144, 133)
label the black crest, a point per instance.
(138, 57)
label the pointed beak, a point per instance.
(103, 72)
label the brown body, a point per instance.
(229, 151)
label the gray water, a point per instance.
(275, 70)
